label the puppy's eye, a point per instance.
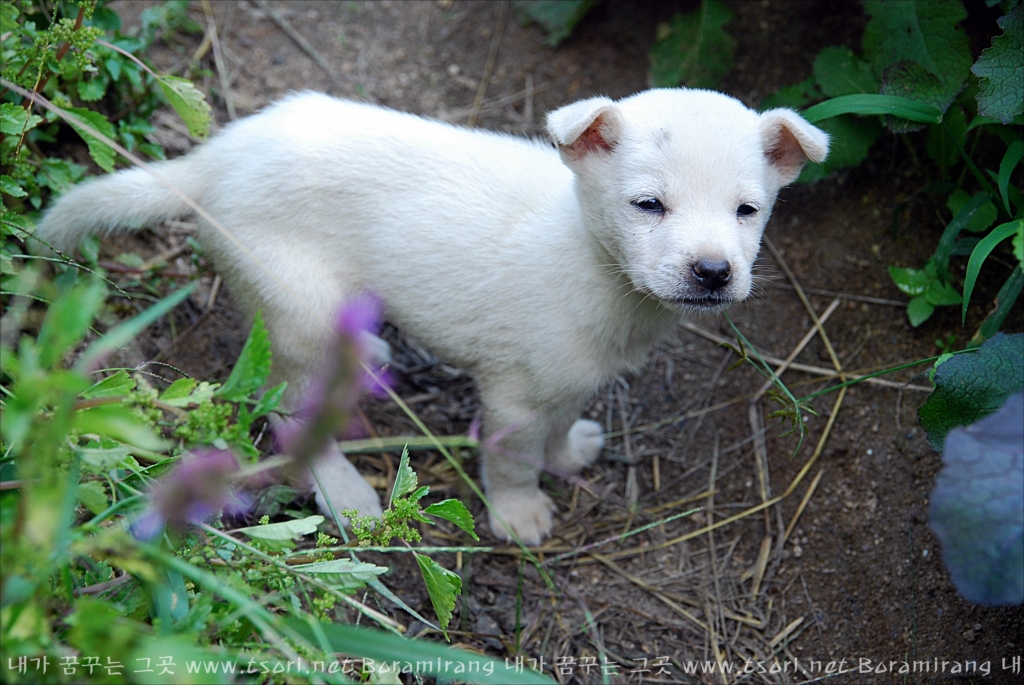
(745, 210)
(649, 204)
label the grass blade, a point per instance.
(868, 104)
(120, 335)
(981, 252)
(1010, 161)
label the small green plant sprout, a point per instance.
(916, 73)
(404, 508)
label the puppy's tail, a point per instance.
(123, 201)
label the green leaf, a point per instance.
(442, 586)
(93, 496)
(868, 104)
(346, 575)
(1018, 244)
(839, 72)
(1010, 161)
(121, 334)
(271, 398)
(93, 89)
(557, 17)
(981, 253)
(908, 79)
(982, 218)
(101, 153)
(794, 96)
(910, 281)
(1005, 299)
(253, 366)
(851, 140)
(68, 319)
(455, 511)
(693, 49)
(405, 479)
(119, 423)
(116, 385)
(178, 390)
(285, 530)
(942, 294)
(976, 507)
(428, 659)
(188, 102)
(13, 119)
(973, 385)
(11, 187)
(1001, 92)
(921, 31)
(919, 310)
(103, 458)
(944, 250)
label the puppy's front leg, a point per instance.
(513, 456)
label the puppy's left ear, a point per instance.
(584, 128)
(789, 142)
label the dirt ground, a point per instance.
(859, 577)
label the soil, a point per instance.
(859, 576)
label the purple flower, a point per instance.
(323, 411)
(197, 488)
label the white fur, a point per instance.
(527, 265)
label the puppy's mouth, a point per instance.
(707, 304)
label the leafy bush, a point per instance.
(916, 71)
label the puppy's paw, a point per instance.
(377, 350)
(345, 488)
(526, 512)
(582, 446)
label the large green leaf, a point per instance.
(976, 509)
(922, 31)
(972, 385)
(1001, 70)
(557, 17)
(253, 366)
(693, 49)
(840, 72)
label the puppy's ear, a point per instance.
(585, 127)
(789, 141)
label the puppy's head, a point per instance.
(678, 185)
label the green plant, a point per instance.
(693, 49)
(916, 71)
(80, 456)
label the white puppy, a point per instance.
(544, 272)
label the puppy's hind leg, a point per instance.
(573, 443)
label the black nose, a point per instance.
(712, 275)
